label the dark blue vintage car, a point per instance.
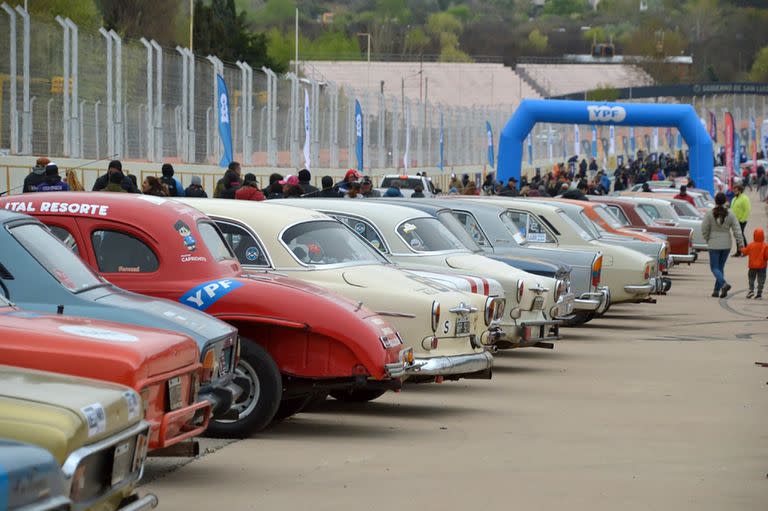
(40, 273)
(30, 478)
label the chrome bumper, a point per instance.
(700, 246)
(399, 369)
(533, 332)
(221, 397)
(642, 289)
(451, 365)
(661, 285)
(146, 502)
(679, 258)
(564, 306)
(598, 301)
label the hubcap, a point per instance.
(247, 402)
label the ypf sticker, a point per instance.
(206, 294)
(101, 334)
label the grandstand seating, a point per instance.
(558, 79)
(456, 84)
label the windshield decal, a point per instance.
(252, 253)
(186, 233)
(408, 228)
(132, 400)
(206, 294)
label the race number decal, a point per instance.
(96, 417)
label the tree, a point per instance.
(759, 71)
(140, 18)
(84, 13)
(416, 41)
(565, 7)
(276, 13)
(538, 41)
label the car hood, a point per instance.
(374, 277)
(94, 349)
(537, 267)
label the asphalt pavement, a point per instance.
(654, 407)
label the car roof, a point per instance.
(9, 216)
(380, 211)
(512, 202)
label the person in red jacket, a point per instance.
(758, 260)
(683, 195)
(250, 189)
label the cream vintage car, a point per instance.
(627, 273)
(444, 327)
(416, 240)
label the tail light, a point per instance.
(429, 343)
(663, 259)
(494, 309)
(435, 315)
(647, 274)
(520, 290)
(597, 268)
(210, 366)
(559, 290)
(690, 242)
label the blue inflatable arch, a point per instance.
(682, 117)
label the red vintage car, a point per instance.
(297, 339)
(162, 366)
(680, 238)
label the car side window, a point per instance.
(619, 214)
(364, 230)
(66, 237)
(469, 223)
(118, 252)
(247, 249)
(651, 211)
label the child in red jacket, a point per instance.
(758, 260)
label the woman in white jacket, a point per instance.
(718, 226)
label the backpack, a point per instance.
(170, 183)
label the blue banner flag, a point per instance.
(530, 149)
(359, 135)
(679, 140)
(225, 126)
(442, 141)
(594, 142)
(489, 131)
(632, 140)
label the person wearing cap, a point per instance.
(291, 188)
(350, 177)
(394, 189)
(175, 189)
(195, 188)
(511, 189)
(329, 191)
(305, 185)
(250, 189)
(366, 188)
(53, 182)
(231, 180)
(115, 167)
(37, 176)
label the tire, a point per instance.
(356, 395)
(581, 318)
(291, 406)
(259, 406)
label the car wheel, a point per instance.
(356, 395)
(291, 406)
(263, 389)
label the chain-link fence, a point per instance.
(93, 95)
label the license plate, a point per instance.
(140, 452)
(538, 303)
(121, 466)
(175, 400)
(462, 326)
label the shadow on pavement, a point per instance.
(389, 409)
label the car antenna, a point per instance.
(72, 168)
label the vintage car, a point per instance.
(627, 273)
(162, 366)
(627, 214)
(701, 198)
(417, 240)
(445, 327)
(93, 429)
(655, 249)
(165, 249)
(32, 479)
(489, 226)
(660, 212)
(39, 273)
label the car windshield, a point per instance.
(457, 229)
(408, 183)
(575, 226)
(588, 225)
(509, 222)
(647, 219)
(608, 217)
(56, 258)
(682, 208)
(327, 242)
(428, 235)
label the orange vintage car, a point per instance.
(162, 366)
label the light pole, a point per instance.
(191, 22)
(368, 35)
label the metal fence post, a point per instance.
(214, 149)
(333, 90)
(351, 136)
(26, 129)
(184, 152)
(159, 107)
(191, 132)
(314, 105)
(14, 124)
(395, 134)
(110, 106)
(96, 128)
(420, 135)
(294, 119)
(118, 93)
(80, 127)
(150, 106)
(48, 124)
(75, 132)
(382, 128)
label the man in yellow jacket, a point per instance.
(741, 208)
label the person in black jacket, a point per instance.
(305, 185)
(115, 166)
(579, 193)
(195, 189)
(328, 191)
(37, 176)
